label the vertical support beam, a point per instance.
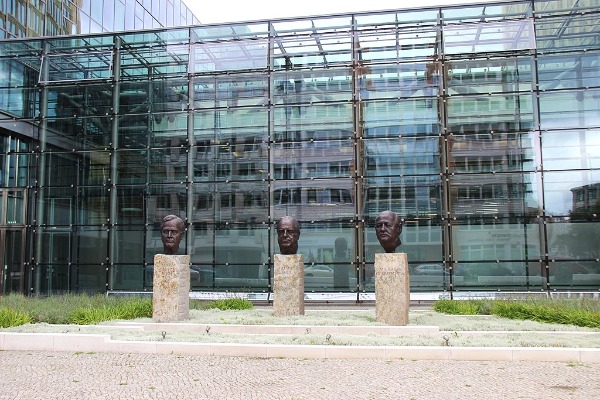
(114, 144)
(446, 138)
(357, 175)
(41, 178)
(191, 152)
(270, 135)
(542, 229)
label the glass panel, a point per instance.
(224, 91)
(492, 152)
(577, 31)
(93, 205)
(72, 67)
(242, 253)
(310, 122)
(167, 165)
(128, 244)
(17, 94)
(165, 130)
(399, 118)
(400, 81)
(574, 274)
(57, 245)
(382, 44)
(314, 200)
(227, 127)
(559, 7)
(572, 149)
(158, 60)
(229, 56)
(79, 133)
(569, 109)
(15, 207)
(576, 240)
(412, 17)
(403, 156)
(410, 197)
(243, 204)
(203, 237)
(126, 277)
(517, 275)
(317, 50)
(487, 113)
(91, 278)
(498, 195)
(487, 13)
(234, 31)
(162, 200)
(490, 76)
(79, 101)
(495, 241)
(92, 245)
(59, 206)
(565, 192)
(489, 37)
(133, 167)
(329, 256)
(569, 71)
(314, 159)
(421, 240)
(312, 87)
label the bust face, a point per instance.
(171, 234)
(288, 233)
(387, 229)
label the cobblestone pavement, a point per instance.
(55, 375)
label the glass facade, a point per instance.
(30, 18)
(478, 125)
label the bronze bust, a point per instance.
(288, 233)
(171, 232)
(388, 227)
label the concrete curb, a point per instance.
(103, 343)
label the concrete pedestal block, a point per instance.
(288, 285)
(392, 288)
(171, 291)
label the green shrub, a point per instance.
(458, 307)
(233, 303)
(10, 317)
(569, 312)
(129, 308)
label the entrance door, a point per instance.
(12, 255)
(12, 240)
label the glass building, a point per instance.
(478, 124)
(29, 18)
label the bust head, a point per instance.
(388, 227)
(171, 232)
(288, 233)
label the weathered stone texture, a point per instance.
(392, 288)
(288, 285)
(171, 291)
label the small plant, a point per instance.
(568, 312)
(10, 317)
(125, 309)
(232, 303)
(471, 307)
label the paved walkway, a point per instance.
(61, 375)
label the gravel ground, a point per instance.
(485, 331)
(37, 375)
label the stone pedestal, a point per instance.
(392, 288)
(288, 285)
(171, 291)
